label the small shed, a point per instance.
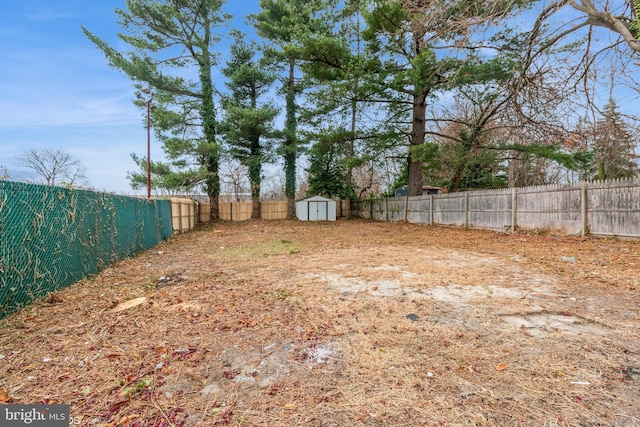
(426, 189)
(316, 208)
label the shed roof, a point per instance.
(315, 199)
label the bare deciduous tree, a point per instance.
(618, 16)
(5, 173)
(55, 167)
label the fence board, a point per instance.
(614, 208)
(448, 209)
(235, 211)
(273, 210)
(205, 211)
(490, 209)
(552, 208)
(419, 209)
(183, 214)
(607, 208)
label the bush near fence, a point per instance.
(51, 237)
(603, 208)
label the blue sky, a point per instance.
(57, 91)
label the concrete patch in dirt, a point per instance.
(543, 323)
(462, 260)
(380, 288)
(458, 295)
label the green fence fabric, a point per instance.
(51, 237)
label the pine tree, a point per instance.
(165, 38)
(246, 122)
(285, 26)
(614, 146)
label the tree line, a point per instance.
(456, 94)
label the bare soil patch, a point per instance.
(340, 324)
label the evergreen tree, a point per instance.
(613, 146)
(405, 35)
(246, 122)
(165, 37)
(285, 26)
(328, 172)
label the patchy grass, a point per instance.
(333, 324)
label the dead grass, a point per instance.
(341, 324)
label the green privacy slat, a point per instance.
(51, 237)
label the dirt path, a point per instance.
(340, 324)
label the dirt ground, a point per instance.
(352, 323)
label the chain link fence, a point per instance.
(51, 237)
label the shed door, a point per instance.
(318, 211)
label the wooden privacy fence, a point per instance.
(184, 214)
(605, 208)
(241, 211)
(273, 210)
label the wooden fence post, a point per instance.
(431, 209)
(406, 208)
(583, 209)
(386, 208)
(514, 209)
(466, 208)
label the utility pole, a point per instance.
(147, 100)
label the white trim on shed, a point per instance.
(316, 208)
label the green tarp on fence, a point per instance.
(51, 237)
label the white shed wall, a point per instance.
(316, 209)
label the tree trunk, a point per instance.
(215, 207)
(417, 139)
(255, 212)
(255, 175)
(290, 149)
(208, 114)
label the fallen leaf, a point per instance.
(501, 367)
(4, 398)
(116, 406)
(125, 420)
